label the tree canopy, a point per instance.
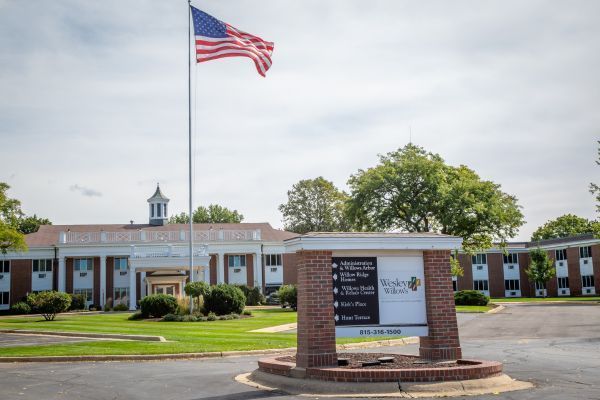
(213, 214)
(10, 213)
(413, 190)
(314, 205)
(32, 224)
(541, 269)
(565, 226)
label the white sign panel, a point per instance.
(395, 306)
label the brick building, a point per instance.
(126, 262)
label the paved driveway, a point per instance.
(557, 347)
(16, 339)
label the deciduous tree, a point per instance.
(413, 190)
(213, 214)
(314, 205)
(541, 269)
(10, 213)
(565, 226)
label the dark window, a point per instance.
(585, 252)
(511, 258)
(561, 254)
(563, 283)
(151, 210)
(4, 298)
(237, 261)
(164, 210)
(587, 280)
(512, 284)
(4, 267)
(480, 285)
(272, 260)
(455, 285)
(479, 259)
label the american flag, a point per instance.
(216, 39)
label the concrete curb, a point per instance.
(145, 338)
(191, 356)
(313, 388)
(498, 308)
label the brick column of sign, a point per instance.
(442, 343)
(316, 326)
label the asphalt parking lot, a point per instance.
(16, 339)
(557, 347)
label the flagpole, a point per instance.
(190, 150)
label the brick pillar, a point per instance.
(316, 326)
(574, 271)
(442, 343)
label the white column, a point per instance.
(207, 274)
(62, 275)
(148, 288)
(221, 268)
(132, 292)
(258, 270)
(142, 284)
(102, 280)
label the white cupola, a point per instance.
(158, 210)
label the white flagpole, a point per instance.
(190, 149)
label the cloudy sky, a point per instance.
(93, 104)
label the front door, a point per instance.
(164, 289)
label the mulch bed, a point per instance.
(355, 361)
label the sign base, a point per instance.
(380, 331)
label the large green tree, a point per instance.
(413, 190)
(541, 269)
(10, 213)
(32, 223)
(565, 226)
(213, 214)
(314, 205)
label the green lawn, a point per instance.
(182, 337)
(473, 309)
(541, 299)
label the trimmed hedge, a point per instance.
(288, 295)
(158, 305)
(20, 308)
(253, 295)
(470, 298)
(49, 303)
(225, 299)
(77, 302)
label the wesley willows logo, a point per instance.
(397, 286)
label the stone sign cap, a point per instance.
(372, 241)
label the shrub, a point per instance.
(20, 308)
(211, 316)
(288, 295)
(470, 298)
(121, 307)
(253, 295)
(183, 306)
(77, 302)
(158, 305)
(171, 318)
(197, 289)
(247, 312)
(225, 299)
(136, 316)
(49, 303)
(95, 307)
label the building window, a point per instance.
(237, 261)
(480, 285)
(4, 267)
(587, 281)
(121, 295)
(563, 283)
(165, 210)
(585, 252)
(151, 210)
(511, 258)
(4, 298)
(512, 284)
(540, 286)
(455, 285)
(88, 293)
(121, 264)
(479, 258)
(272, 260)
(158, 211)
(83, 264)
(42, 265)
(561, 254)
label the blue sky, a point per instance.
(93, 109)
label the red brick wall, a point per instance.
(110, 280)
(596, 264)
(316, 326)
(290, 269)
(574, 271)
(552, 284)
(96, 263)
(69, 273)
(213, 269)
(262, 271)
(250, 270)
(465, 282)
(442, 343)
(20, 279)
(527, 288)
(495, 274)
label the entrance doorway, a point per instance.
(164, 289)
